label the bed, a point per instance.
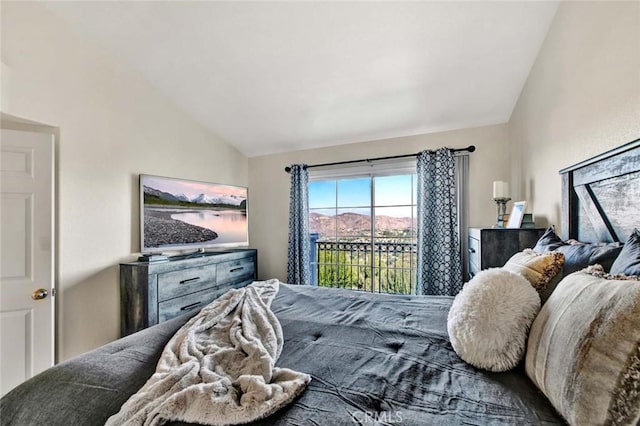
(369, 355)
(373, 358)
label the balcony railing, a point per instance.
(379, 266)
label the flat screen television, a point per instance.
(180, 214)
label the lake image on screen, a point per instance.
(181, 213)
(231, 226)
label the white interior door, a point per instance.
(26, 252)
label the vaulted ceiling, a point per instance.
(270, 77)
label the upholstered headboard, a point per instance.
(601, 196)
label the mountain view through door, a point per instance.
(363, 233)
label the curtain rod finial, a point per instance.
(287, 169)
(471, 148)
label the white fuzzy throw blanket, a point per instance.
(218, 369)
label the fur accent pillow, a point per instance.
(598, 271)
(584, 348)
(489, 319)
(537, 268)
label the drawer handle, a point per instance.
(236, 269)
(472, 250)
(189, 280)
(189, 307)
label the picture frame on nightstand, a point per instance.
(516, 215)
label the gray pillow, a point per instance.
(578, 255)
(628, 261)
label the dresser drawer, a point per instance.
(474, 253)
(473, 270)
(177, 283)
(235, 271)
(181, 305)
(223, 288)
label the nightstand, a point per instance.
(492, 247)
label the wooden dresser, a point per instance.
(492, 247)
(153, 292)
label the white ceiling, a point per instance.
(270, 77)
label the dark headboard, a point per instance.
(601, 196)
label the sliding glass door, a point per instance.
(363, 232)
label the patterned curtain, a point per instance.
(298, 259)
(439, 262)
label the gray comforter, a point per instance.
(373, 358)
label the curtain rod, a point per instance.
(470, 148)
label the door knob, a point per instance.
(40, 293)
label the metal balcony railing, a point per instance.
(379, 266)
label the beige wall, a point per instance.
(582, 98)
(269, 184)
(112, 126)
